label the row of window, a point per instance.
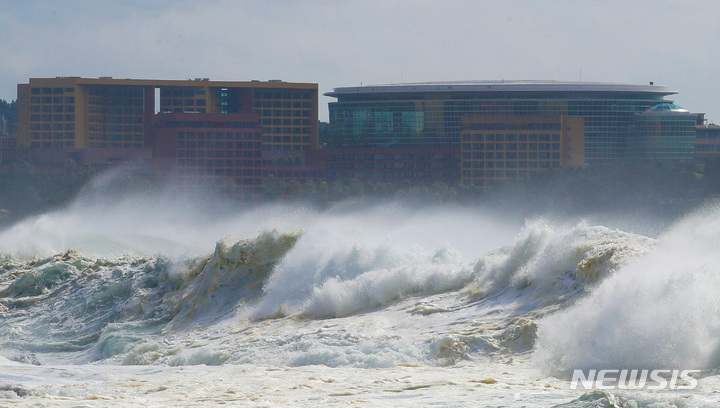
(515, 126)
(219, 153)
(178, 93)
(52, 135)
(510, 146)
(51, 99)
(510, 164)
(450, 175)
(281, 95)
(104, 101)
(208, 124)
(52, 126)
(285, 113)
(286, 139)
(52, 108)
(543, 137)
(101, 110)
(396, 156)
(116, 137)
(51, 91)
(51, 145)
(395, 165)
(218, 136)
(194, 179)
(114, 119)
(183, 102)
(228, 164)
(702, 148)
(284, 147)
(468, 175)
(293, 174)
(286, 130)
(52, 118)
(286, 122)
(281, 104)
(183, 110)
(116, 145)
(510, 155)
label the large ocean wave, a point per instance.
(369, 286)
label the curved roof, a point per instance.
(668, 107)
(501, 86)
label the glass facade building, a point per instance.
(665, 131)
(430, 114)
(707, 141)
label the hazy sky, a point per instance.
(338, 43)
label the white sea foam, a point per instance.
(282, 305)
(659, 311)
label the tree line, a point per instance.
(9, 110)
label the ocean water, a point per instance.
(153, 301)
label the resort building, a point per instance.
(496, 148)
(707, 141)
(665, 131)
(431, 114)
(74, 112)
(218, 151)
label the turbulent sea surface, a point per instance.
(147, 302)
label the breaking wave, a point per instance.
(372, 287)
(660, 310)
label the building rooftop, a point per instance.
(668, 107)
(199, 82)
(502, 86)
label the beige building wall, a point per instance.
(496, 148)
(74, 112)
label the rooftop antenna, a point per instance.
(580, 74)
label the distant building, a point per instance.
(219, 151)
(431, 114)
(73, 112)
(496, 148)
(411, 165)
(8, 149)
(665, 131)
(295, 166)
(707, 141)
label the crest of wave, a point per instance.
(343, 278)
(234, 272)
(346, 263)
(658, 311)
(556, 260)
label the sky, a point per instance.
(339, 43)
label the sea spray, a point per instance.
(341, 277)
(659, 311)
(556, 260)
